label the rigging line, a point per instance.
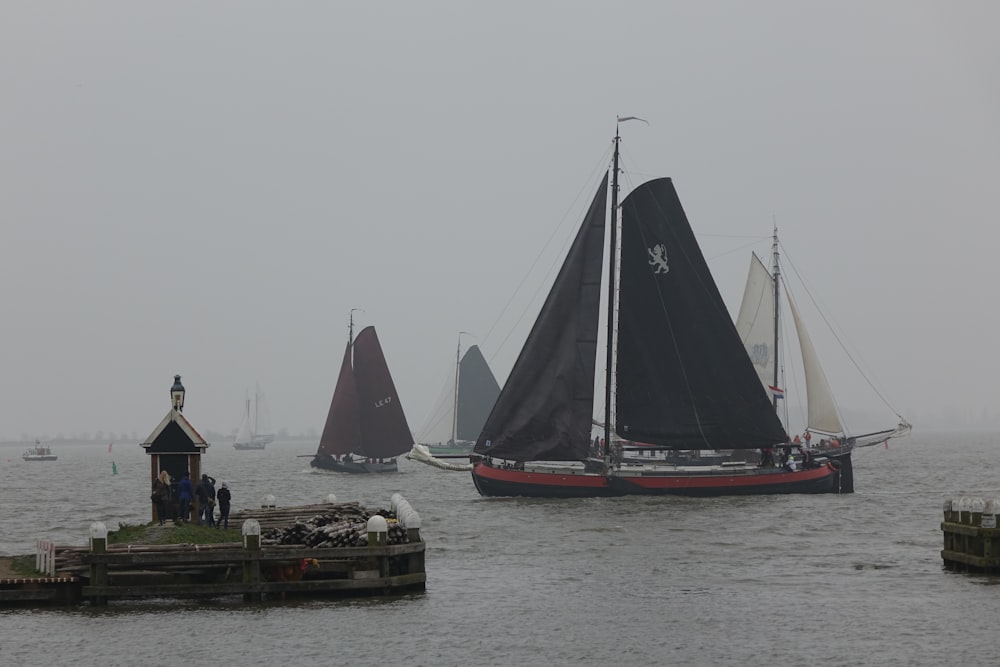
(805, 286)
(441, 408)
(602, 163)
(730, 252)
(542, 284)
(737, 236)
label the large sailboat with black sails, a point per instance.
(676, 376)
(365, 427)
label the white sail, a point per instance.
(822, 411)
(755, 322)
(255, 429)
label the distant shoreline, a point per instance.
(128, 443)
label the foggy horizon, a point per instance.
(208, 190)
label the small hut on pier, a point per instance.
(175, 445)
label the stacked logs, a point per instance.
(327, 530)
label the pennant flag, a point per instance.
(775, 392)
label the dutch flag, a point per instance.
(775, 392)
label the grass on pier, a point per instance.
(174, 533)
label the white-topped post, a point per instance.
(251, 534)
(378, 531)
(98, 537)
(412, 524)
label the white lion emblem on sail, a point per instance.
(658, 258)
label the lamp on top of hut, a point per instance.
(177, 394)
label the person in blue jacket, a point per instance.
(185, 494)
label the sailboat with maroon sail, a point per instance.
(677, 375)
(365, 427)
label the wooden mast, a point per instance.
(611, 302)
(776, 273)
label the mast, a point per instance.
(611, 301)
(776, 272)
(350, 328)
(458, 365)
(256, 410)
(454, 411)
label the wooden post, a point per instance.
(99, 571)
(378, 537)
(251, 566)
(415, 561)
(154, 463)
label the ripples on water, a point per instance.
(772, 580)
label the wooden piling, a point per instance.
(971, 536)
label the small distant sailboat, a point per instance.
(249, 436)
(365, 427)
(462, 410)
(39, 453)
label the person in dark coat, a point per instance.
(161, 496)
(206, 500)
(224, 498)
(185, 494)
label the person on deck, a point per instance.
(766, 456)
(185, 494)
(224, 498)
(791, 464)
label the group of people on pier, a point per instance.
(167, 492)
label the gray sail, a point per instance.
(477, 393)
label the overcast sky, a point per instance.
(208, 188)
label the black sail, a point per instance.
(477, 392)
(545, 409)
(384, 431)
(683, 376)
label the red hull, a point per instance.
(555, 483)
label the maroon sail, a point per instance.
(342, 433)
(384, 432)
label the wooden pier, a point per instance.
(971, 536)
(255, 570)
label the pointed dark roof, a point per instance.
(175, 435)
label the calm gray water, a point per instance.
(773, 580)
